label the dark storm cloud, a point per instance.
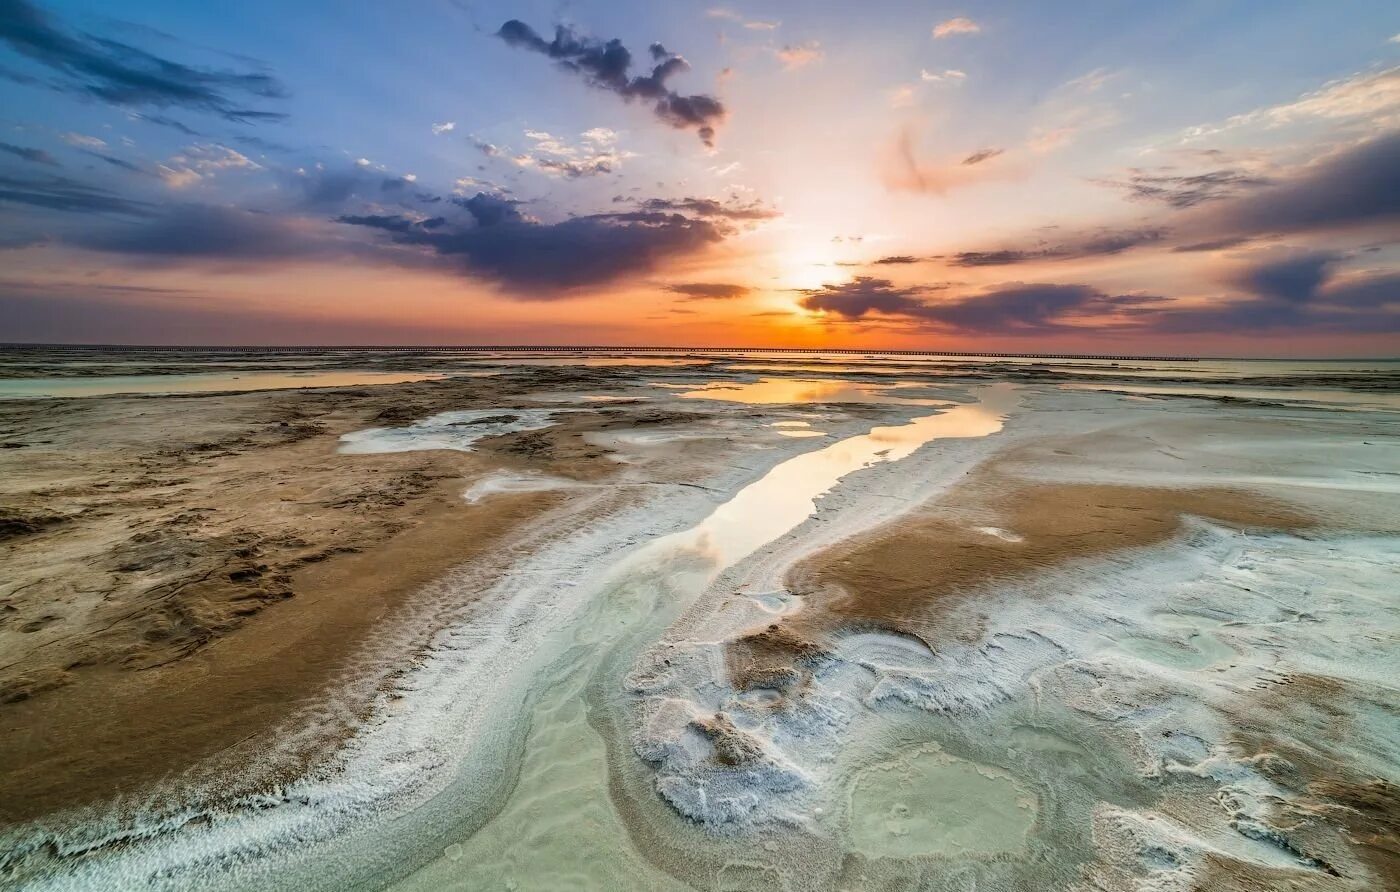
(57, 193)
(708, 290)
(541, 261)
(605, 65)
(124, 75)
(1185, 190)
(37, 156)
(1097, 244)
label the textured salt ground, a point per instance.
(1315, 595)
(899, 579)
(748, 867)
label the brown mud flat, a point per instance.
(902, 578)
(183, 576)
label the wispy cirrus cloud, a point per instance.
(36, 156)
(124, 75)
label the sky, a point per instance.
(1192, 178)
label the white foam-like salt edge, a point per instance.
(514, 481)
(308, 835)
(446, 430)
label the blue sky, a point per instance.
(1035, 176)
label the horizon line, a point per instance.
(602, 348)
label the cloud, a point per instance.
(795, 56)
(444, 127)
(188, 231)
(724, 12)
(898, 259)
(1094, 244)
(981, 155)
(863, 296)
(955, 26)
(1010, 309)
(1273, 291)
(1372, 97)
(486, 148)
(710, 208)
(1356, 186)
(1185, 190)
(171, 123)
(947, 76)
(57, 193)
(1353, 189)
(708, 290)
(554, 157)
(123, 75)
(903, 170)
(83, 141)
(547, 261)
(120, 163)
(605, 65)
(1292, 290)
(37, 156)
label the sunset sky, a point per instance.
(1186, 178)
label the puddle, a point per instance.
(38, 388)
(446, 430)
(798, 429)
(769, 391)
(924, 802)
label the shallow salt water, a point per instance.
(769, 391)
(925, 802)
